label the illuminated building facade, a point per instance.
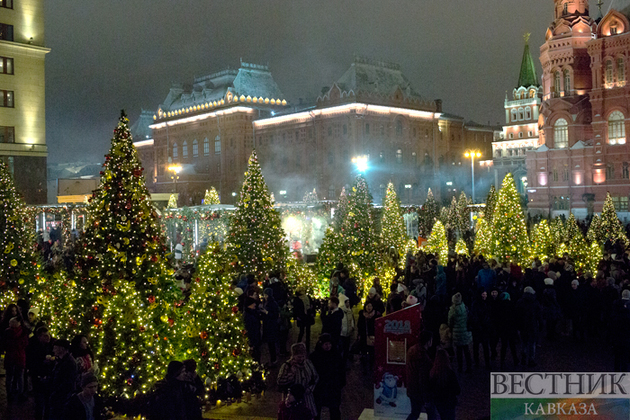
(22, 96)
(211, 128)
(584, 114)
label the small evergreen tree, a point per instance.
(437, 244)
(427, 215)
(594, 233)
(576, 243)
(393, 231)
(542, 241)
(491, 201)
(211, 197)
(610, 227)
(172, 202)
(483, 238)
(461, 248)
(341, 211)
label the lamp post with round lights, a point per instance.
(472, 154)
(175, 169)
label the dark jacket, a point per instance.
(550, 306)
(173, 400)
(36, 362)
(418, 370)
(76, 411)
(271, 320)
(252, 326)
(621, 322)
(480, 321)
(446, 393)
(64, 379)
(295, 412)
(365, 328)
(377, 304)
(529, 317)
(332, 376)
(15, 342)
(331, 324)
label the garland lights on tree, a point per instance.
(594, 233)
(542, 241)
(611, 228)
(491, 201)
(576, 244)
(461, 248)
(126, 298)
(483, 237)
(18, 263)
(437, 243)
(427, 215)
(393, 231)
(510, 241)
(211, 197)
(256, 237)
(172, 202)
(341, 211)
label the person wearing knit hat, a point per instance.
(625, 295)
(548, 281)
(375, 299)
(531, 290)
(458, 324)
(299, 370)
(529, 320)
(411, 300)
(331, 368)
(85, 404)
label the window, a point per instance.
(513, 114)
(331, 193)
(556, 84)
(206, 146)
(175, 151)
(7, 134)
(6, 32)
(217, 145)
(625, 173)
(621, 71)
(528, 113)
(561, 203)
(530, 133)
(367, 128)
(298, 161)
(8, 4)
(610, 171)
(520, 135)
(399, 128)
(511, 135)
(554, 175)
(620, 203)
(6, 99)
(6, 65)
(616, 128)
(195, 148)
(185, 150)
(567, 82)
(561, 134)
(520, 114)
(609, 72)
(399, 156)
(565, 174)
(297, 136)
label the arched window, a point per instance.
(556, 84)
(567, 82)
(561, 134)
(532, 93)
(175, 151)
(609, 72)
(528, 113)
(616, 128)
(621, 71)
(399, 128)
(206, 146)
(520, 114)
(399, 156)
(217, 145)
(195, 148)
(513, 114)
(185, 149)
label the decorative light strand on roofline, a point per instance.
(229, 97)
(199, 117)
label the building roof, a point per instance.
(527, 77)
(250, 80)
(140, 129)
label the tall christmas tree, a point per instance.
(256, 236)
(215, 333)
(393, 231)
(594, 230)
(341, 211)
(510, 241)
(427, 215)
(358, 233)
(542, 241)
(126, 298)
(437, 244)
(331, 252)
(483, 238)
(463, 215)
(610, 227)
(211, 197)
(558, 233)
(491, 201)
(576, 243)
(17, 256)
(594, 257)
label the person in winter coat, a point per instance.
(441, 288)
(271, 324)
(458, 323)
(64, 379)
(507, 330)
(575, 310)
(348, 326)
(481, 325)
(251, 319)
(87, 404)
(376, 285)
(82, 353)
(550, 308)
(621, 332)
(332, 320)
(487, 277)
(366, 332)
(174, 397)
(375, 299)
(529, 321)
(350, 290)
(15, 341)
(299, 370)
(331, 369)
(444, 386)
(293, 407)
(419, 366)
(304, 316)
(39, 361)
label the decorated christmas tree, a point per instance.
(331, 252)
(491, 201)
(463, 215)
(610, 227)
(357, 231)
(172, 202)
(558, 233)
(215, 333)
(211, 197)
(576, 244)
(256, 237)
(393, 231)
(310, 197)
(301, 276)
(341, 211)
(461, 248)
(483, 238)
(594, 233)
(510, 241)
(125, 297)
(542, 241)
(437, 244)
(427, 215)
(18, 264)
(594, 257)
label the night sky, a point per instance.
(110, 55)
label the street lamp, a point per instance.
(472, 154)
(176, 169)
(361, 162)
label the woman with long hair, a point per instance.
(444, 386)
(82, 353)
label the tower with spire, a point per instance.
(520, 132)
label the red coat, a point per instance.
(15, 342)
